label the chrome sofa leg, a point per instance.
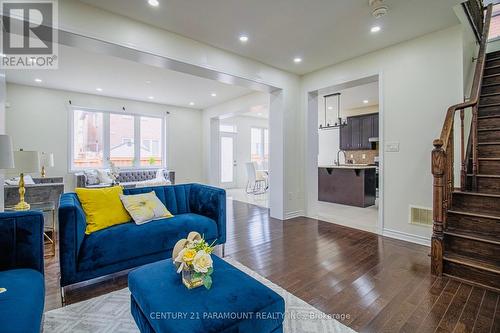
(63, 299)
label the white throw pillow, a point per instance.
(145, 207)
(28, 180)
(104, 176)
(152, 182)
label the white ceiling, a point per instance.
(352, 98)
(322, 32)
(84, 72)
(258, 111)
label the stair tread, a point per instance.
(472, 214)
(483, 175)
(490, 116)
(491, 67)
(491, 94)
(487, 105)
(476, 237)
(492, 59)
(471, 262)
(489, 158)
(490, 84)
(488, 129)
(491, 75)
(477, 194)
(489, 143)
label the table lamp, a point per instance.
(47, 161)
(26, 162)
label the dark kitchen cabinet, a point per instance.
(359, 129)
(345, 137)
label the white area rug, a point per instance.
(110, 313)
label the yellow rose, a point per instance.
(189, 255)
(202, 262)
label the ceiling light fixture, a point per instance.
(191, 103)
(98, 89)
(375, 29)
(379, 9)
(243, 38)
(213, 94)
(38, 80)
(148, 82)
(260, 114)
(151, 97)
(297, 60)
(154, 3)
(365, 101)
(330, 108)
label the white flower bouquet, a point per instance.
(192, 257)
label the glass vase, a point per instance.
(189, 280)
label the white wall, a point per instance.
(2, 131)
(286, 200)
(419, 80)
(37, 119)
(243, 143)
(211, 125)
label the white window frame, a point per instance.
(106, 137)
(262, 136)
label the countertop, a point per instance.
(347, 166)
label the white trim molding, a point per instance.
(406, 237)
(292, 215)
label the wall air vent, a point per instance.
(420, 216)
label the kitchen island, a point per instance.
(347, 184)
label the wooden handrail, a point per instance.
(443, 152)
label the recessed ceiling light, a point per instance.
(191, 103)
(297, 60)
(375, 29)
(154, 3)
(213, 94)
(260, 114)
(38, 80)
(151, 97)
(148, 82)
(243, 38)
(330, 108)
(98, 89)
(365, 101)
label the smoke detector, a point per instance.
(379, 9)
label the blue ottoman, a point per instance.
(236, 302)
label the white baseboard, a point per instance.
(406, 237)
(291, 215)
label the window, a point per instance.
(495, 23)
(99, 137)
(151, 148)
(121, 142)
(259, 150)
(88, 141)
(227, 128)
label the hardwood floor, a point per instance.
(373, 283)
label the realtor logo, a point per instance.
(29, 37)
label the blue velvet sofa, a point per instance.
(21, 272)
(118, 248)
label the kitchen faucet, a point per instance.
(338, 157)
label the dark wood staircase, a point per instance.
(466, 234)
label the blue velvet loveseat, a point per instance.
(21, 272)
(118, 248)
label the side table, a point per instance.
(49, 229)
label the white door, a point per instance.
(228, 160)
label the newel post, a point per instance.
(439, 206)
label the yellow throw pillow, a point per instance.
(103, 207)
(145, 207)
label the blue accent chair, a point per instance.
(21, 272)
(121, 247)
